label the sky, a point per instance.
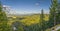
(27, 6)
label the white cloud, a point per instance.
(6, 6)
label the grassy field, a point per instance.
(27, 19)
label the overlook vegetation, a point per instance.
(28, 19)
(32, 22)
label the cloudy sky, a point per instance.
(27, 6)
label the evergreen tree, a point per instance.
(3, 19)
(42, 20)
(52, 16)
(42, 15)
(58, 14)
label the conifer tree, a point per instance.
(58, 14)
(42, 20)
(3, 19)
(53, 10)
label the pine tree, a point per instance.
(42, 20)
(52, 16)
(58, 14)
(42, 15)
(3, 19)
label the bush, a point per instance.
(58, 30)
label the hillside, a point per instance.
(27, 19)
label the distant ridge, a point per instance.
(25, 14)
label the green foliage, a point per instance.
(3, 19)
(52, 13)
(58, 14)
(34, 27)
(31, 21)
(42, 16)
(58, 30)
(42, 22)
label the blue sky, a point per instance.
(28, 6)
